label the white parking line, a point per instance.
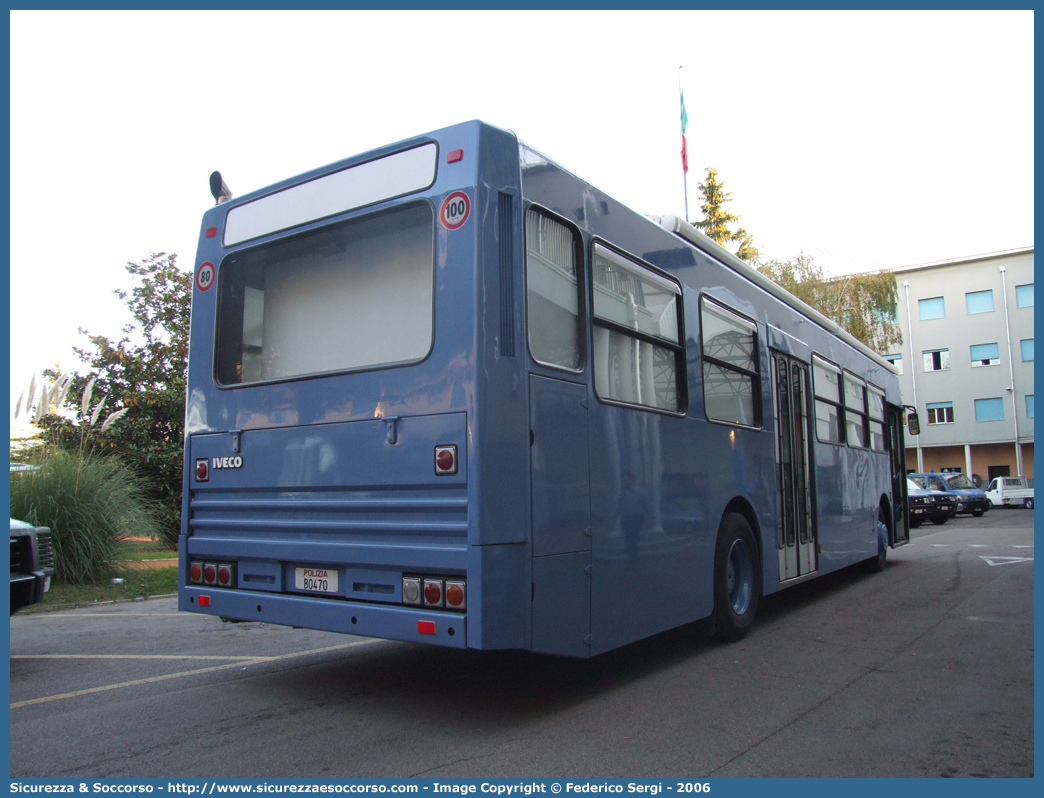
(165, 677)
(41, 615)
(1004, 560)
(133, 656)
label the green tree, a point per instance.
(862, 304)
(717, 221)
(143, 372)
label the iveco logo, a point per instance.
(226, 462)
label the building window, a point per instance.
(855, 411)
(937, 360)
(552, 292)
(1024, 296)
(940, 412)
(890, 316)
(730, 366)
(826, 380)
(934, 308)
(979, 301)
(989, 409)
(985, 355)
(638, 351)
(1027, 350)
(1029, 406)
(897, 361)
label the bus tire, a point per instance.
(737, 578)
(874, 565)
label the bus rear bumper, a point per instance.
(410, 624)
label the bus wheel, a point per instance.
(737, 578)
(874, 565)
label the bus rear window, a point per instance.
(349, 296)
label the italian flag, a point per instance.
(685, 146)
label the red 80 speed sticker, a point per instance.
(455, 210)
(205, 275)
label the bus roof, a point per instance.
(688, 232)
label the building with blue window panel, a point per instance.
(966, 363)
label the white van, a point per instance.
(1010, 492)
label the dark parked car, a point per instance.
(969, 498)
(32, 564)
(936, 506)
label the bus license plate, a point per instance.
(316, 580)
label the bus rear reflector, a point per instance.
(426, 627)
(204, 601)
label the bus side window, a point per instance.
(730, 366)
(855, 410)
(638, 352)
(826, 378)
(552, 292)
(876, 402)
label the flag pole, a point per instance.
(685, 148)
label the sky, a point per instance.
(868, 140)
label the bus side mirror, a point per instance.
(913, 424)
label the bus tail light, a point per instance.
(411, 590)
(217, 574)
(432, 592)
(226, 574)
(456, 595)
(202, 471)
(445, 461)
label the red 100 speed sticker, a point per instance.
(455, 210)
(205, 275)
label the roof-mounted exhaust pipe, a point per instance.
(221, 192)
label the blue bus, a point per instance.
(448, 392)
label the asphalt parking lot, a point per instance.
(924, 670)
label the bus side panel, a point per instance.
(651, 539)
(562, 604)
(500, 432)
(498, 596)
(848, 489)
